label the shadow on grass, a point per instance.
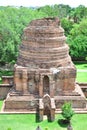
(38, 118)
(63, 123)
(85, 66)
(37, 115)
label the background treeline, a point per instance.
(14, 19)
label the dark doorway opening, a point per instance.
(46, 85)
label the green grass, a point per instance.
(1, 102)
(79, 122)
(81, 76)
(81, 65)
(27, 122)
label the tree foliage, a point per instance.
(77, 14)
(67, 25)
(78, 40)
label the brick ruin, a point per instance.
(44, 76)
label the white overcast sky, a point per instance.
(72, 3)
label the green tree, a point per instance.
(78, 13)
(50, 11)
(64, 10)
(77, 41)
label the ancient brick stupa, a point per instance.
(44, 75)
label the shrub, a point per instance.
(67, 111)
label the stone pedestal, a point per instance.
(21, 79)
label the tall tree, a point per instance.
(78, 13)
(78, 41)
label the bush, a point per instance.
(6, 73)
(67, 111)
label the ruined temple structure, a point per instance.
(44, 76)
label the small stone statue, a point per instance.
(38, 128)
(69, 127)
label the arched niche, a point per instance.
(46, 85)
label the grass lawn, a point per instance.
(81, 76)
(1, 102)
(81, 65)
(27, 121)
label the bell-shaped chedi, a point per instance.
(44, 46)
(44, 70)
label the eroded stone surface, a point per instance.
(43, 45)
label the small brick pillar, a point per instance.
(41, 108)
(52, 83)
(24, 81)
(41, 88)
(52, 109)
(18, 79)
